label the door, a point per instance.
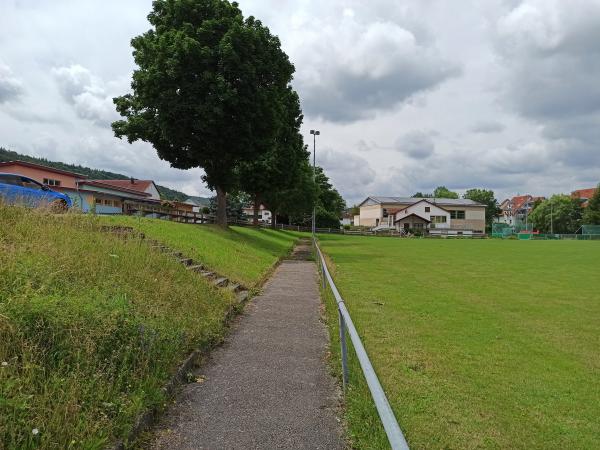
(406, 227)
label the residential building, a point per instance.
(516, 209)
(584, 195)
(264, 215)
(100, 196)
(436, 215)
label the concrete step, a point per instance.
(234, 287)
(242, 296)
(207, 274)
(221, 282)
(196, 268)
(186, 261)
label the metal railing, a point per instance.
(388, 419)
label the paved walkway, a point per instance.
(268, 386)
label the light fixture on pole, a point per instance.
(315, 133)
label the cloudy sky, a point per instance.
(501, 94)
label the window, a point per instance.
(418, 226)
(30, 184)
(427, 209)
(457, 214)
(108, 202)
(11, 179)
(51, 182)
(98, 201)
(438, 219)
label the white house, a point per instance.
(264, 215)
(420, 216)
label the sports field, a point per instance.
(478, 344)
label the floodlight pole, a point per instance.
(315, 133)
(551, 218)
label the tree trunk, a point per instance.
(273, 219)
(256, 209)
(221, 218)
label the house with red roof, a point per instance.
(517, 209)
(584, 195)
(101, 196)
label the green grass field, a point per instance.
(478, 343)
(244, 254)
(92, 326)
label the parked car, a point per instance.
(18, 189)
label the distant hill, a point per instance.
(95, 174)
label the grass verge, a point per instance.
(478, 344)
(244, 254)
(92, 326)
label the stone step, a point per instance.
(234, 287)
(207, 274)
(176, 254)
(196, 268)
(221, 282)
(242, 296)
(186, 261)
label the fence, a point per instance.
(390, 424)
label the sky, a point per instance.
(408, 95)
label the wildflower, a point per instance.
(35, 431)
(113, 256)
(4, 364)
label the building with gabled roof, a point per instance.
(454, 216)
(584, 195)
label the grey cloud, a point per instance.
(11, 88)
(552, 50)
(86, 93)
(416, 144)
(350, 174)
(488, 127)
(360, 70)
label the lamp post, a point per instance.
(315, 133)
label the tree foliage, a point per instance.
(485, 197)
(208, 89)
(444, 192)
(591, 215)
(558, 214)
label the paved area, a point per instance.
(268, 386)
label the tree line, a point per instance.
(212, 89)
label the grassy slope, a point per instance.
(91, 326)
(243, 254)
(488, 344)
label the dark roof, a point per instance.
(412, 214)
(41, 167)
(434, 201)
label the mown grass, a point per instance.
(92, 326)
(478, 344)
(244, 254)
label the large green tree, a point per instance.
(591, 214)
(278, 168)
(330, 204)
(485, 197)
(207, 90)
(558, 214)
(444, 192)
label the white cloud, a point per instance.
(86, 93)
(11, 88)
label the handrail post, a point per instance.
(344, 349)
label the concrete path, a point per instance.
(268, 386)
